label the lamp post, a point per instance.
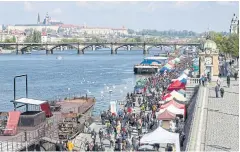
(68, 94)
(110, 95)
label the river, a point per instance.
(95, 73)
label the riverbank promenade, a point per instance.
(222, 127)
(216, 124)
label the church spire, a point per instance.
(38, 19)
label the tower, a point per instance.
(38, 19)
(234, 26)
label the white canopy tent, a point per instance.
(178, 96)
(172, 109)
(161, 135)
(183, 76)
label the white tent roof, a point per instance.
(172, 109)
(186, 71)
(29, 101)
(178, 96)
(161, 135)
(182, 76)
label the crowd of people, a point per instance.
(137, 117)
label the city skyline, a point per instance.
(192, 16)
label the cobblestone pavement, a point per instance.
(222, 128)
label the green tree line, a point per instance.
(166, 33)
(227, 44)
(34, 37)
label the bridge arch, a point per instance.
(72, 45)
(23, 48)
(96, 46)
(131, 46)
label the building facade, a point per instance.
(103, 31)
(234, 27)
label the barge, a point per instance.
(150, 65)
(39, 124)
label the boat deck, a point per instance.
(27, 136)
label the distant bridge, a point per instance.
(80, 47)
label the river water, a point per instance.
(94, 73)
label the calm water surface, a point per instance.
(94, 73)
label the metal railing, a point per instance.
(193, 81)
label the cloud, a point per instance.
(151, 7)
(28, 6)
(57, 11)
(225, 3)
(99, 5)
(82, 3)
(181, 3)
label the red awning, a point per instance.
(166, 96)
(176, 85)
(166, 115)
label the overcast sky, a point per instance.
(196, 16)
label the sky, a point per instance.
(159, 15)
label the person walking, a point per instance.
(228, 81)
(219, 81)
(216, 90)
(235, 75)
(222, 92)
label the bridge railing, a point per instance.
(87, 43)
(193, 81)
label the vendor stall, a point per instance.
(161, 135)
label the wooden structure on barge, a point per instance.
(39, 123)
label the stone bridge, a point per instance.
(80, 47)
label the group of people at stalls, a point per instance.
(160, 102)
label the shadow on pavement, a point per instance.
(215, 110)
(219, 147)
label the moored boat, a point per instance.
(150, 65)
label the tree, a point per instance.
(35, 37)
(138, 39)
(73, 40)
(14, 39)
(10, 40)
(229, 45)
(130, 31)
